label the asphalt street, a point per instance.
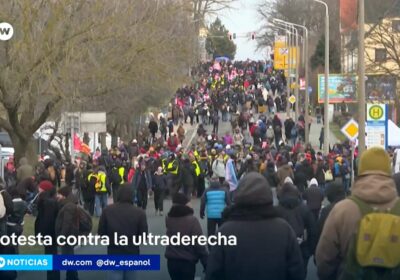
(156, 226)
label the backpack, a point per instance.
(84, 221)
(374, 251)
(2, 206)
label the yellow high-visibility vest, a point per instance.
(121, 172)
(170, 166)
(100, 185)
(197, 169)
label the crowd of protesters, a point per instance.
(232, 172)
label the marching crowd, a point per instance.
(315, 214)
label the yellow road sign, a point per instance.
(292, 99)
(350, 129)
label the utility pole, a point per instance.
(361, 78)
(296, 89)
(326, 100)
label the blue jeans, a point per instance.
(101, 200)
(121, 275)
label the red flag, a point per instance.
(85, 149)
(77, 143)
(348, 15)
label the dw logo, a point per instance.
(6, 31)
(2, 262)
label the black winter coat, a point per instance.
(67, 222)
(125, 219)
(180, 219)
(298, 215)
(270, 252)
(47, 214)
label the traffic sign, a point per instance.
(376, 112)
(292, 99)
(350, 130)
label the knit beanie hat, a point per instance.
(334, 192)
(46, 185)
(253, 189)
(180, 199)
(313, 182)
(373, 160)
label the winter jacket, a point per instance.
(125, 219)
(271, 177)
(283, 172)
(270, 252)
(47, 214)
(160, 181)
(67, 222)
(396, 178)
(374, 188)
(24, 170)
(139, 176)
(314, 197)
(15, 221)
(215, 199)
(8, 204)
(299, 217)
(153, 127)
(218, 167)
(180, 219)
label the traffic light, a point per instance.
(253, 36)
(230, 37)
(234, 35)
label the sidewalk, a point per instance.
(315, 132)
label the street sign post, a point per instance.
(376, 129)
(350, 130)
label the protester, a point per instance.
(270, 252)
(374, 187)
(160, 187)
(334, 194)
(181, 260)
(299, 218)
(314, 198)
(126, 219)
(66, 223)
(46, 220)
(214, 200)
(24, 170)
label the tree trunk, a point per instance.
(23, 147)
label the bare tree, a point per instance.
(384, 39)
(75, 54)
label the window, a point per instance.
(396, 25)
(380, 55)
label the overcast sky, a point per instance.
(242, 19)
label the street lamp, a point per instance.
(326, 101)
(361, 77)
(292, 28)
(305, 58)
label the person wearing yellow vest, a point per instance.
(197, 172)
(117, 178)
(99, 181)
(172, 171)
